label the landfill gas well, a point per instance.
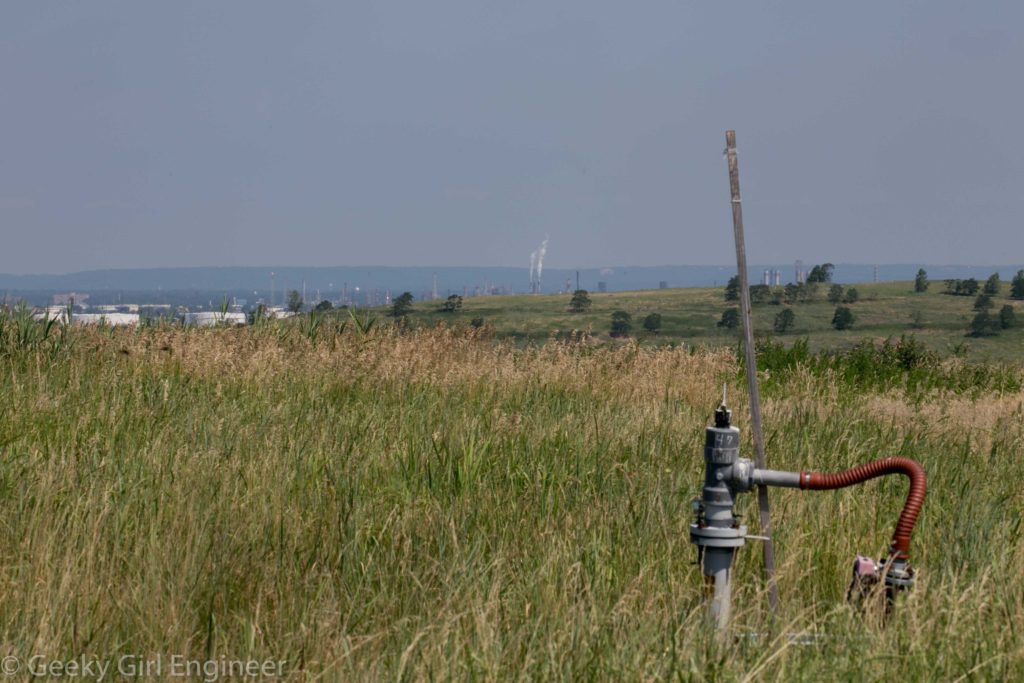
(718, 534)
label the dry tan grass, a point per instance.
(438, 357)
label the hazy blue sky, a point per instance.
(459, 133)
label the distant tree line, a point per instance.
(794, 292)
(968, 287)
(988, 317)
(986, 321)
(789, 295)
(838, 295)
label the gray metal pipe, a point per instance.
(718, 568)
(777, 478)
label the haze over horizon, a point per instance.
(315, 134)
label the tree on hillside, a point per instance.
(621, 324)
(580, 301)
(821, 273)
(401, 306)
(652, 323)
(730, 319)
(732, 289)
(1017, 285)
(984, 325)
(843, 318)
(835, 294)
(791, 293)
(452, 303)
(1007, 317)
(760, 294)
(921, 281)
(323, 306)
(295, 301)
(983, 302)
(784, 320)
(852, 296)
(992, 284)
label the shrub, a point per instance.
(1007, 317)
(1017, 285)
(903, 362)
(843, 318)
(792, 293)
(580, 301)
(730, 319)
(760, 294)
(732, 289)
(652, 323)
(984, 325)
(992, 284)
(621, 324)
(784, 320)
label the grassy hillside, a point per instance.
(435, 505)
(691, 316)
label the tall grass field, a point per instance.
(372, 502)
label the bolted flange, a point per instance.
(718, 537)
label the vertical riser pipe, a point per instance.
(718, 569)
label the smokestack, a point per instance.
(533, 270)
(540, 259)
(537, 266)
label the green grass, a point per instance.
(690, 316)
(431, 504)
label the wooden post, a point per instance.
(751, 360)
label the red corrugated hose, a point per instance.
(818, 481)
